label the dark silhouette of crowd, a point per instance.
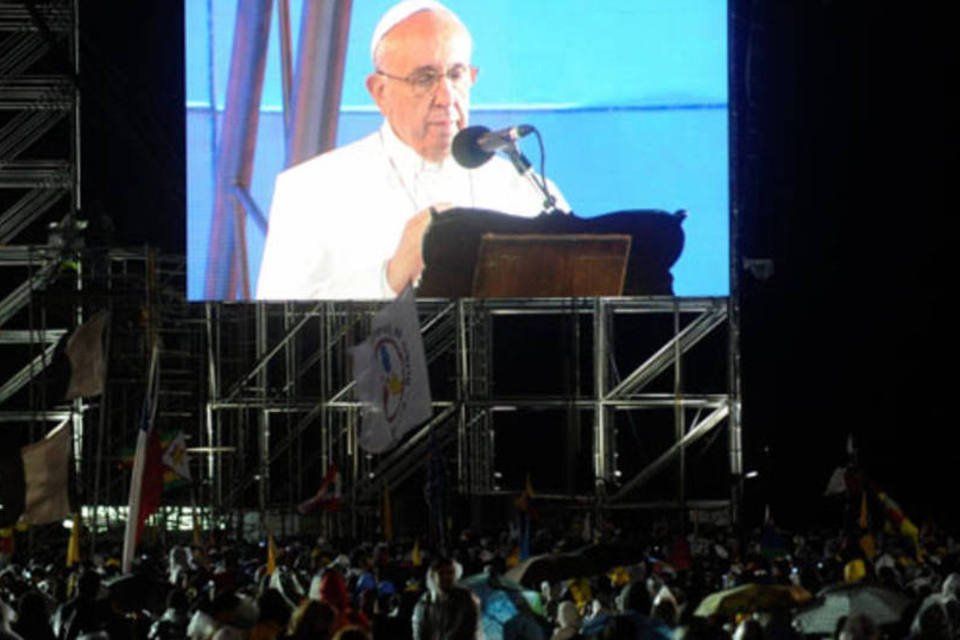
(320, 588)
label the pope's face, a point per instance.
(425, 117)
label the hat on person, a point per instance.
(854, 571)
(400, 12)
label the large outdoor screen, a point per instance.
(630, 97)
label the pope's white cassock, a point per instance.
(336, 219)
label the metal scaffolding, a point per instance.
(290, 408)
(39, 195)
(265, 396)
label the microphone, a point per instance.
(475, 145)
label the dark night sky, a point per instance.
(841, 169)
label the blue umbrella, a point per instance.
(505, 604)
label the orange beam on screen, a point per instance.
(311, 111)
(318, 84)
(226, 278)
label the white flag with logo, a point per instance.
(390, 369)
(176, 458)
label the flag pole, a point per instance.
(139, 463)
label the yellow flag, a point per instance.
(197, 534)
(522, 502)
(514, 558)
(387, 514)
(415, 558)
(271, 555)
(73, 546)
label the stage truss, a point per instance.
(294, 401)
(264, 393)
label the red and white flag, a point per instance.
(146, 481)
(328, 496)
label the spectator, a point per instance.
(859, 627)
(333, 590)
(274, 616)
(7, 616)
(568, 621)
(634, 602)
(748, 629)
(175, 619)
(312, 620)
(445, 610)
(33, 618)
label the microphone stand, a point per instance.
(524, 168)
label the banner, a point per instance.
(390, 369)
(35, 480)
(85, 351)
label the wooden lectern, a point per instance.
(479, 253)
(550, 265)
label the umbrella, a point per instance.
(504, 603)
(535, 569)
(882, 604)
(554, 567)
(752, 597)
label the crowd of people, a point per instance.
(319, 588)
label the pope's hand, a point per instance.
(406, 265)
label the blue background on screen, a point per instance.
(630, 97)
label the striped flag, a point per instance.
(146, 481)
(175, 459)
(900, 521)
(328, 496)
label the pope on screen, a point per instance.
(349, 223)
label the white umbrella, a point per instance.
(883, 605)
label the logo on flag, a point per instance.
(394, 359)
(391, 376)
(175, 457)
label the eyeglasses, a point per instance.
(425, 80)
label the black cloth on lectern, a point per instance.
(452, 241)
